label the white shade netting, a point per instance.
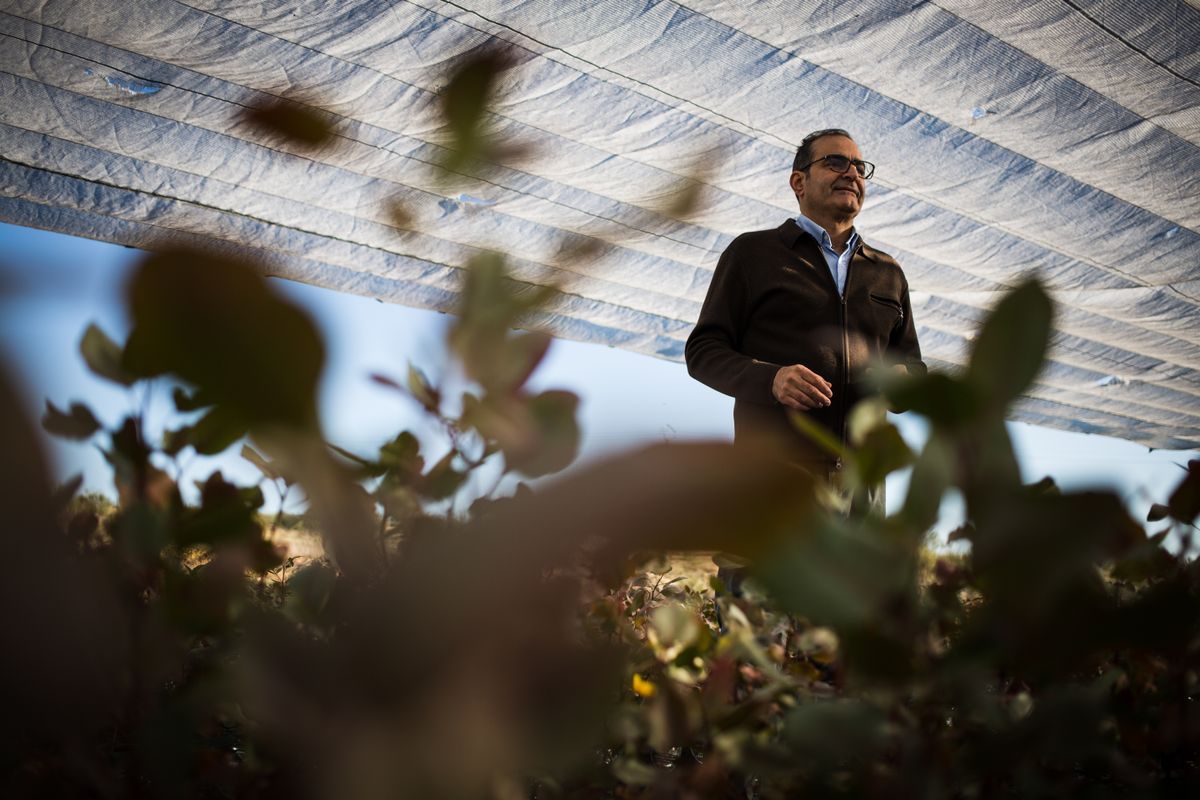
(1053, 137)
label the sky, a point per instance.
(52, 286)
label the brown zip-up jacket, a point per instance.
(772, 303)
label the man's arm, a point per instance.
(904, 346)
(713, 349)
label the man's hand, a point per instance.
(799, 387)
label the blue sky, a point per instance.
(52, 286)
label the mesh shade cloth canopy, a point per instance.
(1058, 137)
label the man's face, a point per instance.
(824, 193)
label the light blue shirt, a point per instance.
(838, 262)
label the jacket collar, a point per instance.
(791, 234)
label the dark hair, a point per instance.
(804, 151)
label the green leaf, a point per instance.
(464, 103)
(129, 457)
(837, 575)
(1012, 344)
(945, 400)
(1184, 502)
(79, 424)
(963, 533)
(882, 452)
(217, 431)
(365, 466)
(491, 305)
(1068, 533)
(987, 468)
(173, 441)
(503, 419)
(214, 433)
(728, 561)
(103, 356)
(684, 198)
(215, 323)
(557, 433)
(670, 719)
(515, 361)
(828, 732)
(422, 390)
(141, 531)
(659, 564)
(202, 601)
(186, 403)
(402, 457)
(1046, 487)
(865, 417)
(677, 631)
(399, 502)
(932, 475)
(259, 460)
(443, 479)
(819, 434)
(227, 515)
(1146, 562)
(310, 589)
(631, 772)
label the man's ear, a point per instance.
(796, 181)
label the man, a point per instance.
(794, 315)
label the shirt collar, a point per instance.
(822, 235)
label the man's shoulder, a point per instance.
(782, 235)
(879, 256)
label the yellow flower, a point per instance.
(643, 687)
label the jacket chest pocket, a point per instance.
(887, 310)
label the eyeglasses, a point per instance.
(842, 164)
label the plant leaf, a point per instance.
(557, 435)
(443, 479)
(420, 388)
(1011, 346)
(185, 402)
(215, 323)
(103, 356)
(1184, 502)
(79, 423)
(259, 460)
(310, 589)
(63, 494)
(402, 458)
(297, 123)
(946, 401)
(213, 433)
(932, 475)
(819, 434)
(465, 99)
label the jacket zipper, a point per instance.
(845, 381)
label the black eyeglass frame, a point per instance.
(864, 168)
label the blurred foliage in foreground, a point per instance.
(462, 644)
(533, 646)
